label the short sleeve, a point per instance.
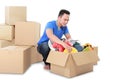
(49, 26)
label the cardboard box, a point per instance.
(14, 59)
(7, 32)
(14, 14)
(70, 65)
(5, 43)
(27, 33)
(35, 55)
(96, 51)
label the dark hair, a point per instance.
(63, 11)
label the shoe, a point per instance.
(47, 67)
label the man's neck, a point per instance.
(58, 24)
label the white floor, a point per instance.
(36, 72)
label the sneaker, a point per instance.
(47, 67)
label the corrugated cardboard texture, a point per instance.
(5, 43)
(14, 59)
(68, 70)
(14, 14)
(27, 33)
(96, 51)
(7, 32)
(85, 57)
(84, 69)
(35, 55)
(57, 58)
(70, 65)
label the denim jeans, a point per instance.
(44, 49)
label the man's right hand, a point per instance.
(67, 47)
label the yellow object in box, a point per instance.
(87, 47)
(74, 50)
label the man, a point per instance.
(54, 31)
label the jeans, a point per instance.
(44, 49)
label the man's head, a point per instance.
(63, 17)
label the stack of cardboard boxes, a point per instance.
(18, 41)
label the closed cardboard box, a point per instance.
(14, 14)
(35, 55)
(14, 59)
(5, 43)
(7, 32)
(27, 33)
(70, 65)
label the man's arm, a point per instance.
(53, 38)
(68, 36)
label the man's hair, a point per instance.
(63, 11)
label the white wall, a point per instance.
(93, 21)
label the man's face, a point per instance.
(64, 19)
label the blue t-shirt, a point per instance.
(59, 32)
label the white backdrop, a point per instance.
(93, 21)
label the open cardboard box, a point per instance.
(69, 65)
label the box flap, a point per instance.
(57, 58)
(85, 57)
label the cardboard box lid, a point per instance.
(85, 57)
(80, 58)
(57, 58)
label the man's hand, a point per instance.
(67, 47)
